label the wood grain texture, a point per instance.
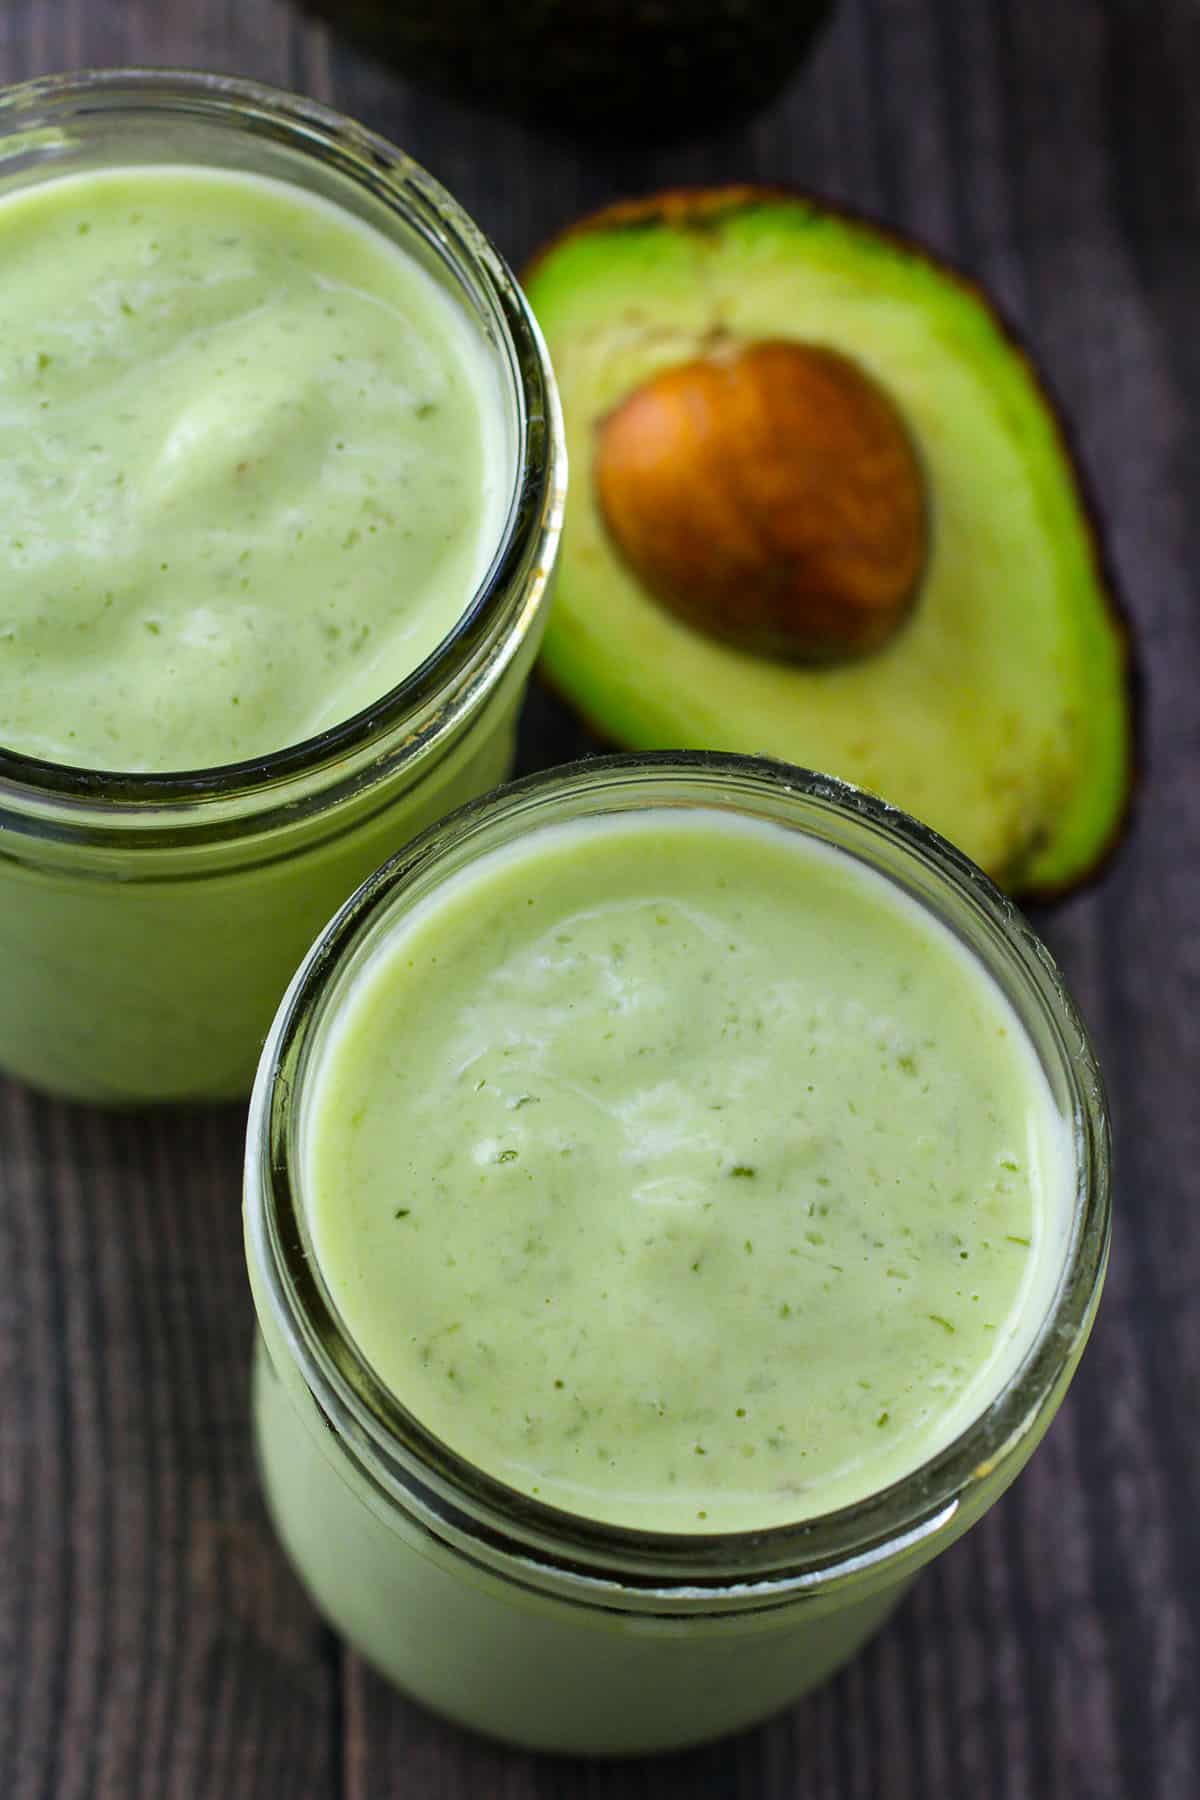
(152, 1642)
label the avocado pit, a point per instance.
(769, 495)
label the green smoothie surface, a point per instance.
(683, 1173)
(256, 463)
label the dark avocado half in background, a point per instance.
(821, 508)
(621, 71)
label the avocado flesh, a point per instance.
(999, 713)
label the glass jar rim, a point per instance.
(400, 184)
(480, 1508)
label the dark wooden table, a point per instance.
(152, 1641)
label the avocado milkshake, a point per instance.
(266, 599)
(681, 1174)
(263, 458)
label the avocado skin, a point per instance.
(702, 213)
(646, 71)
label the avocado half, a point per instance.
(1000, 711)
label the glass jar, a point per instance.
(525, 1622)
(149, 923)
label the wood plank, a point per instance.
(154, 1641)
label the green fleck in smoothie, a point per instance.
(255, 466)
(683, 1173)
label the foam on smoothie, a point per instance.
(684, 1173)
(256, 463)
